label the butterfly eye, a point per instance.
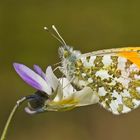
(66, 54)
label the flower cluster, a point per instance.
(53, 94)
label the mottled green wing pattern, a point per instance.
(114, 77)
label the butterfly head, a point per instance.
(65, 51)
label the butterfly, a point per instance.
(112, 74)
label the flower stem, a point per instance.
(3, 136)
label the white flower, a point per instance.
(53, 94)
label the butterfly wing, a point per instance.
(114, 74)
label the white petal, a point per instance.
(86, 96)
(68, 89)
(51, 78)
(65, 90)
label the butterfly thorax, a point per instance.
(68, 57)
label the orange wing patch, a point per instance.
(132, 54)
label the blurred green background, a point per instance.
(85, 24)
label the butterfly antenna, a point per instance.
(58, 37)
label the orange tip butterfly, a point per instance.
(112, 74)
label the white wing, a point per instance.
(115, 76)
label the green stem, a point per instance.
(3, 136)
